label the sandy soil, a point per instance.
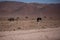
(42, 34)
(28, 25)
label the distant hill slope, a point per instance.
(13, 9)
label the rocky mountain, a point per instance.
(21, 9)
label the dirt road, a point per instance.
(42, 34)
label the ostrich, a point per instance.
(11, 19)
(38, 19)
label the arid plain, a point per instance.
(29, 21)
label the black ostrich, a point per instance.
(38, 19)
(11, 19)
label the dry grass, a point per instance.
(28, 24)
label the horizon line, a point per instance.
(34, 2)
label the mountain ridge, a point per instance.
(8, 9)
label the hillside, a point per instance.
(20, 9)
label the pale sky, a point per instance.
(38, 1)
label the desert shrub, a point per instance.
(43, 27)
(33, 18)
(45, 17)
(17, 18)
(38, 19)
(19, 28)
(51, 18)
(26, 17)
(11, 19)
(13, 29)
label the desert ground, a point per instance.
(42, 34)
(28, 24)
(30, 30)
(18, 21)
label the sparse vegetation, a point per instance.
(12, 25)
(19, 28)
(26, 17)
(17, 18)
(43, 27)
(13, 29)
(45, 17)
(51, 18)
